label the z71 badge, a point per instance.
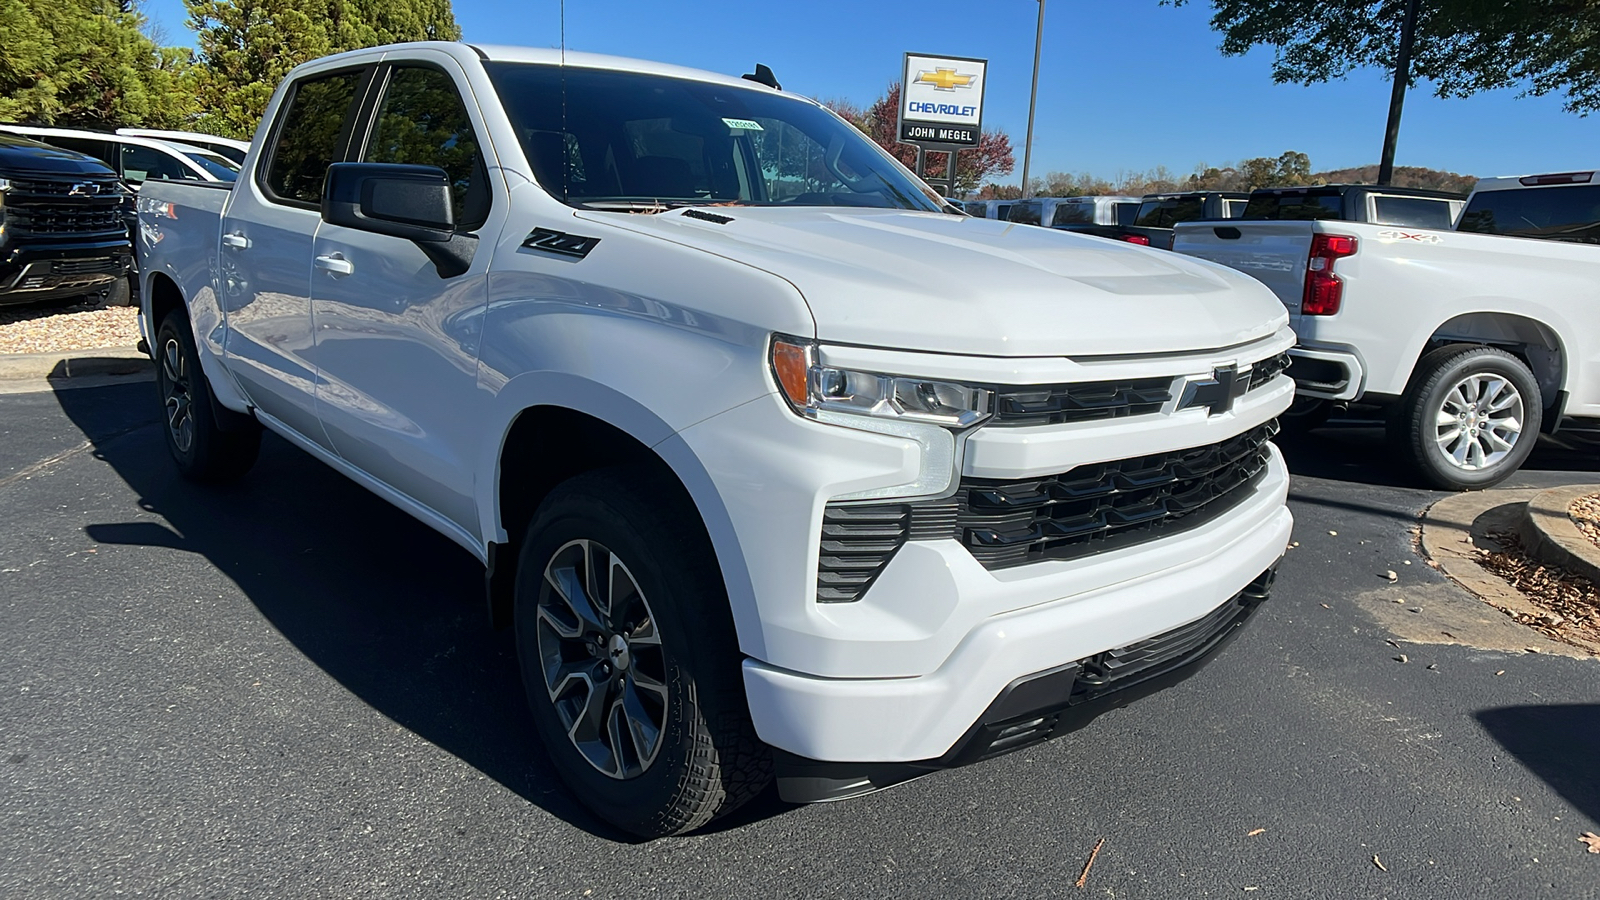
(560, 242)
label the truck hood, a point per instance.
(953, 284)
(20, 156)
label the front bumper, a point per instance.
(1179, 579)
(41, 271)
(1044, 705)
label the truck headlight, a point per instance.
(934, 414)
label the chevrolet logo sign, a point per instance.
(1217, 391)
(944, 79)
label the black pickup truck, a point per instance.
(65, 224)
(1374, 204)
(1152, 226)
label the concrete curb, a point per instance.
(1548, 534)
(1452, 534)
(74, 363)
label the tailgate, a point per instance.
(1274, 253)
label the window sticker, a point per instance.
(743, 125)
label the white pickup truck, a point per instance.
(776, 467)
(1474, 340)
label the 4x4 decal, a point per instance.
(560, 242)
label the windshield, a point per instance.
(1555, 213)
(215, 166)
(628, 140)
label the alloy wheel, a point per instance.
(175, 395)
(602, 659)
(1479, 421)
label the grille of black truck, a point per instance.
(65, 207)
(1102, 506)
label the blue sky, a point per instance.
(1124, 85)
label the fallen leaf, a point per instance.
(1391, 642)
(1447, 634)
(1256, 832)
(1433, 665)
(1083, 877)
(1416, 609)
(1501, 672)
(1392, 575)
(1407, 562)
(1334, 533)
(1379, 863)
(1531, 649)
(1591, 840)
(1326, 606)
(1402, 658)
(1252, 888)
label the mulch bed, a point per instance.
(1572, 601)
(1585, 513)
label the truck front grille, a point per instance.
(39, 206)
(1087, 510)
(1102, 506)
(1058, 404)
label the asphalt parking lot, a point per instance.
(287, 688)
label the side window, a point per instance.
(422, 121)
(308, 137)
(141, 164)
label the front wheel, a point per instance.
(629, 658)
(202, 449)
(1469, 418)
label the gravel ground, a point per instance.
(1585, 513)
(50, 328)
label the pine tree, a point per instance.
(89, 63)
(248, 46)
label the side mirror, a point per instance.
(410, 202)
(413, 203)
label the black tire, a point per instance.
(1427, 446)
(1303, 415)
(203, 451)
(687, 687)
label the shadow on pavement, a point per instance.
(1354, 450)
(386, 606)
(1559, 743)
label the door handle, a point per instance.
(335, 265)
(236, 240)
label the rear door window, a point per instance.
(311, 134)
(1025, 213)
(422, 121)
(1555, 213)
(1233, 209)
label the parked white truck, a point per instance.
(776, 467)
(1473, 340)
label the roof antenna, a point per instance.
(762, 75)
(564, 161)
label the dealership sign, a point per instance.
(941, 103)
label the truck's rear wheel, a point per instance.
(202, 450)
(629, 658)
(1470, 417)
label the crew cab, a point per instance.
(63, 224)
(1380, 205)
(1472, 340)
(1159, 213)
(777, 468)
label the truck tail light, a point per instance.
(1139, 239)
(1325, 290)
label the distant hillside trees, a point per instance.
(1288, 169)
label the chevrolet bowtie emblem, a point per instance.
(1217, 393)
(944, 79)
